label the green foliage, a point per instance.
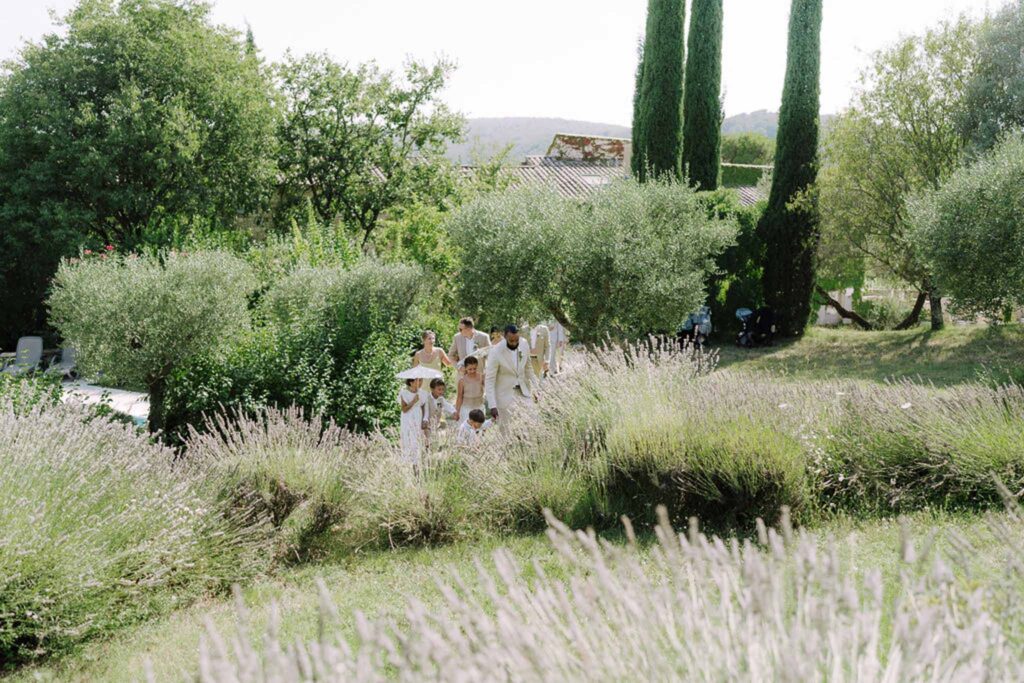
(359, 142)
(629, 260)
(736, 280)
(658, 104)
(971, 230)
(789, 227)
(138, 318)
(742, 176)
(134, 115)
(23, 394)
(748, 148)
(99, 528)
(898, 137)
(993, 103)
(328, 340)
(702, 105)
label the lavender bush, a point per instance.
(99, 528)
(694, 608)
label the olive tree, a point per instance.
(898, 137)
(971, 230)
(631, 259)
(138, 318)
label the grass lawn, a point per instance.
(954, 355)
(378, 583)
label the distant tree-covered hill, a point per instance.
(532, 135)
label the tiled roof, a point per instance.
(572, 178)
(578, 178)
(750, 195)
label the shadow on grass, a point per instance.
(948, 357)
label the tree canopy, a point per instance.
(137, 116)
(970, 231)
(359, 141)
(630, 260)
(994, 96)
(898, 137)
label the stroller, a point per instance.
(758, 327)
(696, 329)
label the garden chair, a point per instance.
(65, 363)
(26, 358)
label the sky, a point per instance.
(571, 59)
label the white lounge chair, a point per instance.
(65, 363)
(26, 358)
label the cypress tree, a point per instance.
(658, 111)
(789, 227)
(637, 118)
(702, 107)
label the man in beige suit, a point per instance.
(539, 338)
(509, 379)
(468, 340)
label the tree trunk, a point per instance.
(156, 406)
(935, 303)
(843, 311)
(914, 317)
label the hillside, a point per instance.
(532, 135)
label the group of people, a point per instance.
(496, 373)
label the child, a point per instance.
(470, 394)
(470, 431)
(440, 408)
(414, 403)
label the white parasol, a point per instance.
(419, 372)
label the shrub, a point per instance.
(138, 318)
(971, 230)
(99, 528)
(329, 341)
(629, 260)
(905, 446)
(693, 608)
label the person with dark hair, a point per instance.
(470, 393)
(509, 378)
(412, 429)
(440, 408)
(472, 429)
(467, 342)
(497, 334)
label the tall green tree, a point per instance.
(133, 119)
(658, 110)
(898, 137)
(994, 102)
(789, 226)
(702, 104)
(360, 141)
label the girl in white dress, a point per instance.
(413, 401)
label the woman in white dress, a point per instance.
(412, 428)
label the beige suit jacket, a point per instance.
(457, 353)
(543, 345)
(507, 369)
